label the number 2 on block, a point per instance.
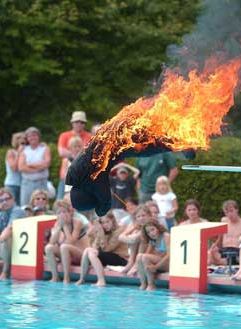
(25, 236)
(184, 245)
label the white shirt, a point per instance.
(164, 202)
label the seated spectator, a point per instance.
(67, 242)
(8, 212)
(155, 213)
(131, 205)
(34, 162)
(77, 215)
(192, 210)
(166, 201)
(154, 259)
(123, 185)
(13, 176)
(132, 236)
(39, 203)
(106, 248)
(228, 242)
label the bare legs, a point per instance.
(5, 248)
(66, 252)
(90, 256)
(237, 276)
(147, 277)
(130, 268)
(53, 251)
(214, 257)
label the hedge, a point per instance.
(210, 188)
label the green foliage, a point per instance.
(3, 151)
(93, 55)
(211, 189)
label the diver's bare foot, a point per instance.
(142, 286)
(100, 283)
(54, 279)
(3, 276)
(79, 282)
(151, 287)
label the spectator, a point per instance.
(162, 164)
(75, 146)
(166, 201)
(13, 176)
(155, 213)
(95, 128)
(34, 162)
(123, 186)
(78, 121)
(228, 243)
(131, 205)
(8, 212)
(106, 249)
(192, 210)
(39, 203)
(132, 236)
(67, 241)
(154, 259)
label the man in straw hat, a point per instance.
(78, 121)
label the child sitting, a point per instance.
(155, 258)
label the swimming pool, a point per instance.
(44, 305)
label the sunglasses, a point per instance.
(5, 199)
(79, 122)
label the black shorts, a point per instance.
(230, 252)
(109, 258)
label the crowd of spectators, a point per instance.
(134, 236)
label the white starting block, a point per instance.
(188, 258)
(28, 246)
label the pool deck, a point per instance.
(216, 282)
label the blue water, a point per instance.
(45, 305)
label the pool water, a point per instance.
(44, 305)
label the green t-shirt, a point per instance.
(154, 166)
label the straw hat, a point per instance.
(78, 116)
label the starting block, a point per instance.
(28, 246)
(188, 257)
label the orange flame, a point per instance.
(183, 115)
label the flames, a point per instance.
(182, 115)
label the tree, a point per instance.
(92, 55)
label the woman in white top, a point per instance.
(13, 176)
(34, 162)
(166, 200)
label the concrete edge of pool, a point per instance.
(216, 283)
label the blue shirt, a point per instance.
(7, 216)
